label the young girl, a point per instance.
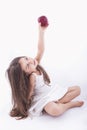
(31, 90)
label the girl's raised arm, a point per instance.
(41, 46)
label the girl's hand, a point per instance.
(42, 28)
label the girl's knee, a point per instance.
(78, 89)
(75, 88)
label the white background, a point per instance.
(65, 39)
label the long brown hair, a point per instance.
(20, 87)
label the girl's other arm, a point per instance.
(32, 85)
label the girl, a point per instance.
(31, 90)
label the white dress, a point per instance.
(44, 94)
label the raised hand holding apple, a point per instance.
(43, 20)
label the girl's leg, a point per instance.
(72, 92)
(56, 109)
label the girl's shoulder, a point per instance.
(33, 76)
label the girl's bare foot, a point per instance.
(71, 104)
(78, 103)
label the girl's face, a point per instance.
(28, 64)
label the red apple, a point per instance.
(43, 20)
